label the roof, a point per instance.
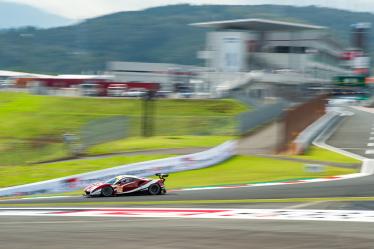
(18, 74)
(81, 76)
(258, 25)
(124, 176)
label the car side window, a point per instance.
(122, 181)
(126, 180)
(131, 179)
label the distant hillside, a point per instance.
(159, 34)
(13, 15)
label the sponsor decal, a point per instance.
(71, 183)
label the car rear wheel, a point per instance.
(154, 189)
(107, 191)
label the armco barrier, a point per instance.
(306, 137)
(175, 164)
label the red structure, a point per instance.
(98, 86)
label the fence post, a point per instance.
(148, 114)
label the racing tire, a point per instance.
(107, 191)
(154, 189)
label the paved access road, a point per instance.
(355, 134)
(164, 233)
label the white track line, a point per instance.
(46, 197)
(303, 205)
(190, 213)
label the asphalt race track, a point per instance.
(358, 187)
(92, 233)
(355, 134)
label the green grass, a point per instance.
(319, 154)
(29, 116)
(31, 127)
(16, 152)
(247, 169)
(139, 143)
(18, 175)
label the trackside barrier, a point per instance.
(263, 115)
(306, 137)
(367, 166)
(175, 164)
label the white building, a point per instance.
(264, 55)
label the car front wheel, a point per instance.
(107, 191)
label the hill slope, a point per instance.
(28, 16)
(159, 34)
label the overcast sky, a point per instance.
(79, 9)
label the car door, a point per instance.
(128, 184)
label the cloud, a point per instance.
(78, 9)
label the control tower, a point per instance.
(284, 52)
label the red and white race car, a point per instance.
(126, 184)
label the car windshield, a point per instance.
(112, 181)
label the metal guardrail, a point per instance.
(263, 115)
(306, 138)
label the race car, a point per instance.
(126, 184)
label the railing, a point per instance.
(261, 116)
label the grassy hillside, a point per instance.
(159, 34)
(31, 127)
(29, 116)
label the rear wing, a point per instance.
(162, 176)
